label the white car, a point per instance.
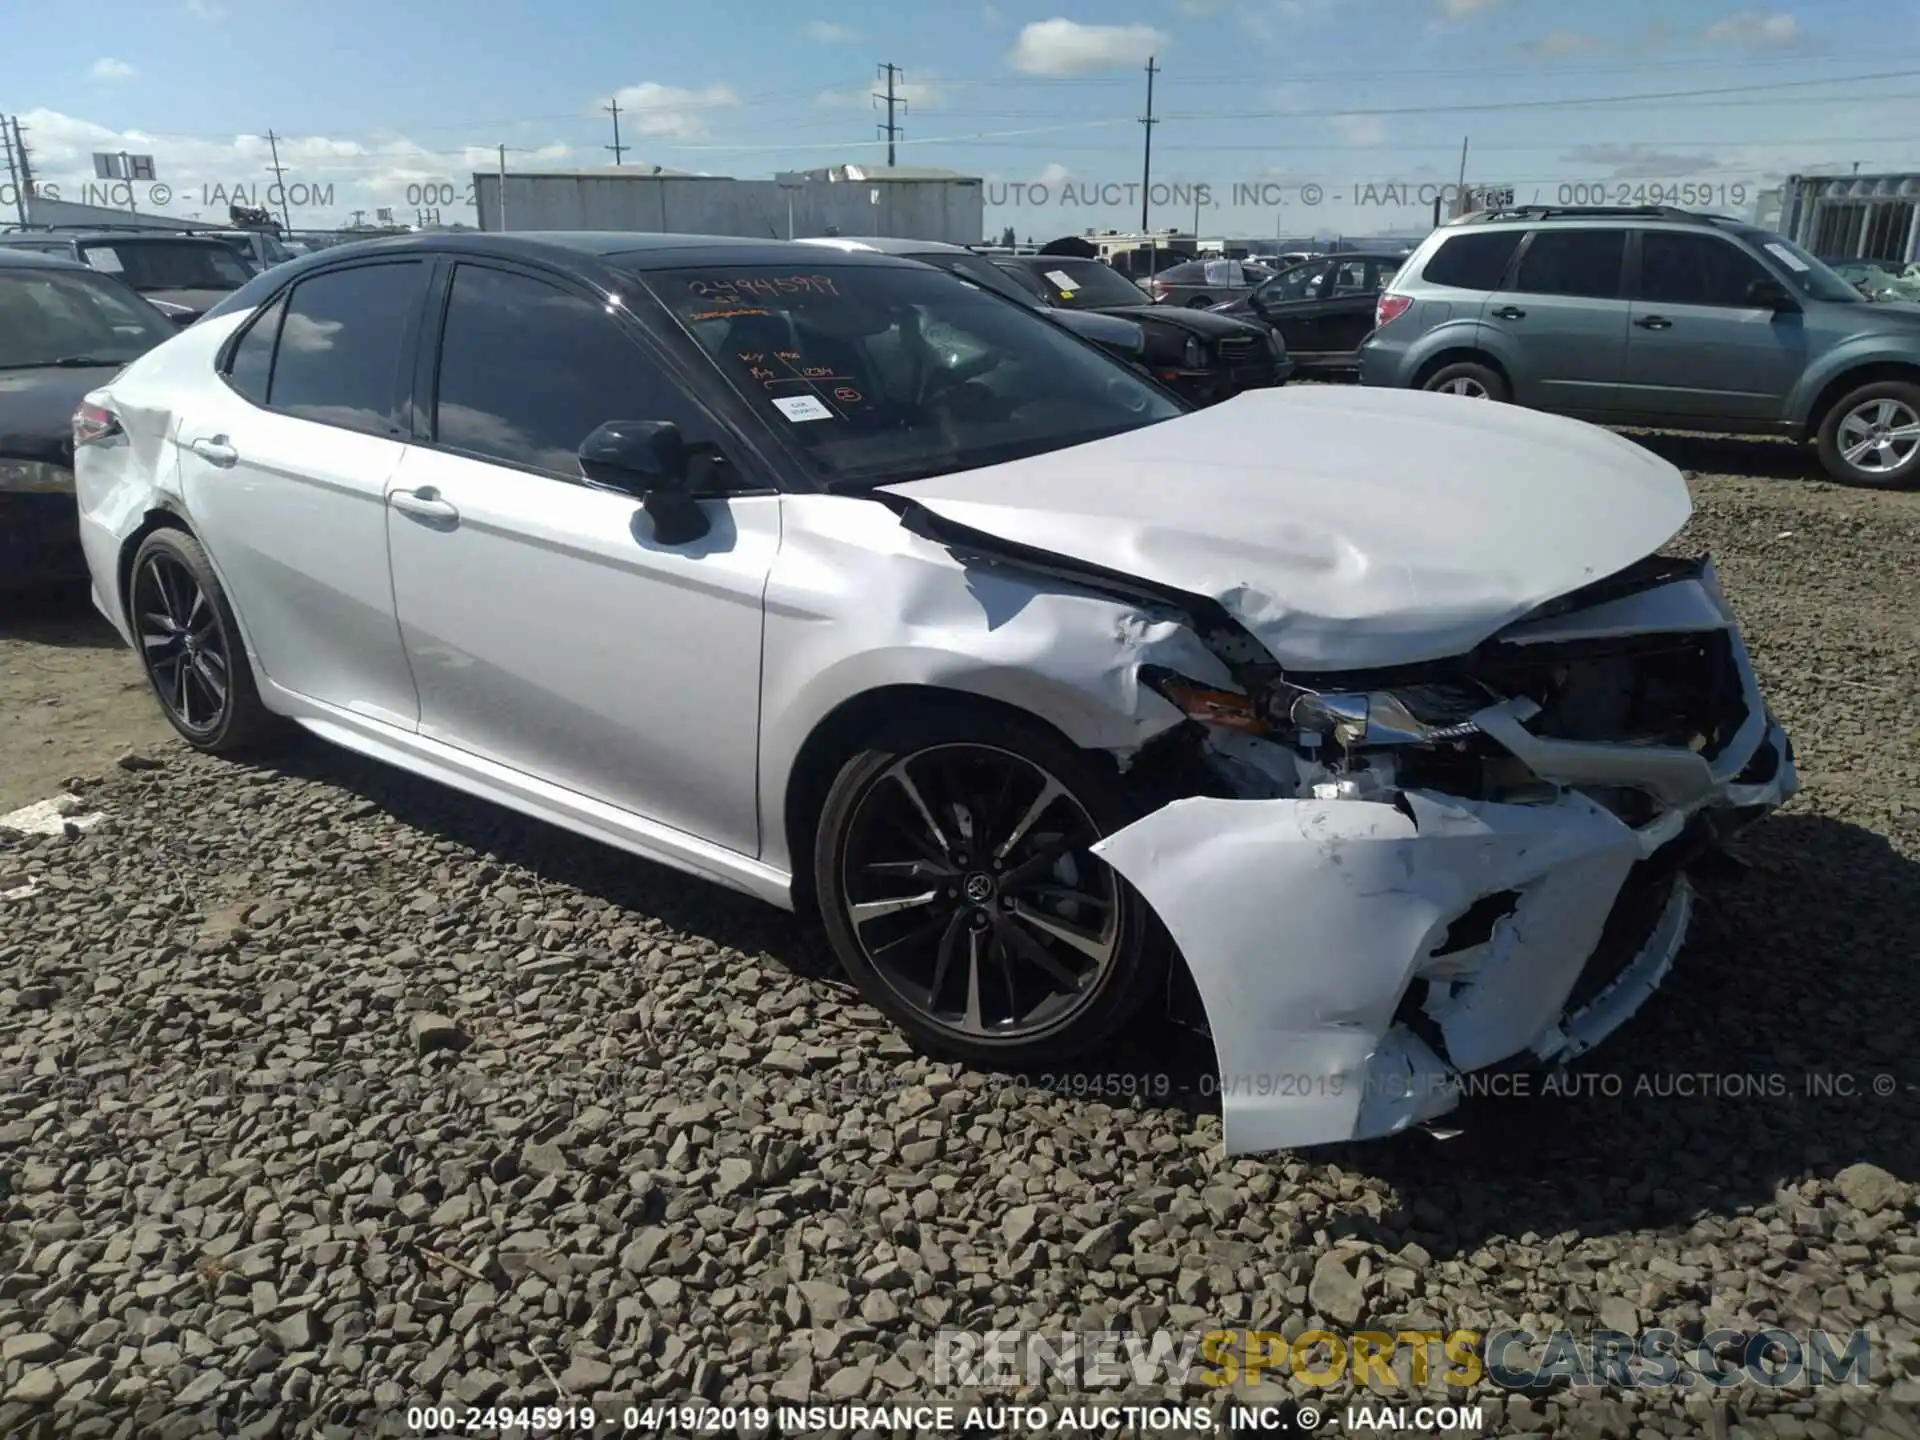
(832, 579)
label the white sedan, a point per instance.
(840, 581)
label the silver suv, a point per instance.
(1660, 318)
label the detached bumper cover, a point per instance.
(1357, 958)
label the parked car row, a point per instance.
(906, 605)
(1662, 318)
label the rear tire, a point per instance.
(1200, 302)
(1468, 379)
(1878, 425)
(952, 874)
(190, 646)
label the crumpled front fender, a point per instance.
(1303, 922)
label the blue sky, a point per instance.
(1302, 100)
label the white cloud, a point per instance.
(205, 9)
(1361, 131)
(655, 109)
(1754, 28)
(1559, 44)
(1199, 7)
(1642, 162)
(925, 94)
(1054, 173)
(1066, 47)
(1461, 9)
(990, 15)
(108, 68)
(828, 33)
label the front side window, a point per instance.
(342, 344)
(1680, 267)
(60, 317)
(529, 370)
(170, 264)
(1584, 263)
(1809, 276)
(251, 368)
(888, 373)
(1300, 282)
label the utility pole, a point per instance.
(13, 168)
(1146, 160)
(890, 130)
(279, 179)
(613, 109)
(503, 189)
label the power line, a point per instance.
(613, 109)
(1558, 103)
(890, 130)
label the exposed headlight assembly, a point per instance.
(1408, 715)
(35, 477)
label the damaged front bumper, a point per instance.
(1356, 958)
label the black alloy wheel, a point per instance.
(957, 882)
(190, 645)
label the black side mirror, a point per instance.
(647, 459)
(1770, 295)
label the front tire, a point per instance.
(1872, 436)
(190, 646)
(1465, 378)
(953, 875)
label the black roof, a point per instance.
(593, 255)
(34, 260)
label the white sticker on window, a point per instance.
(802, 407)
(1063, 281)
(1788, 258)
(100, 257)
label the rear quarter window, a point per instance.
(1474, 261)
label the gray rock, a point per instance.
(430, 1032)
(1335, 1293)
(31, 1348)
(1870, 1189)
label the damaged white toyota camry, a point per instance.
(837, 580)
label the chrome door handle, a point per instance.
(426, 504)
(216, 451)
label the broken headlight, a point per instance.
(1426, 714)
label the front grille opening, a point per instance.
(1474, 925)
(1680, 691)
(1761, 769)
(1630, 925)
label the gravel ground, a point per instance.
(324, 1092)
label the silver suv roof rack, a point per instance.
(1581, 212)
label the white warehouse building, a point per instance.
(850, 200)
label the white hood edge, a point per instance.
(1345, 528)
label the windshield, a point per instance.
(888, 373)
(51, 316)
(982, 272)
(1084, 284)
(1812, 278)
(170, 264)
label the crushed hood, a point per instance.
(1346, 528)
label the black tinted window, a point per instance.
(252, 363)
(528, 371)
(342, 343)
(1573, 262)
(1680, 268)
(1473, 261)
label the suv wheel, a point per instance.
(1872, 437)
(1476, 382)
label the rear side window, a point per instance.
(252, 364)
(1573, 262)
(342, 342)
(1474, 261)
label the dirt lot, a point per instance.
(324, 1093)
(72, 694)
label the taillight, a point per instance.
(92, 424)
(1390, 307)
